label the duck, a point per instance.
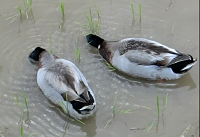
(143, 58)
(63, 84)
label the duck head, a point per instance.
(34, 56)
(94, 40)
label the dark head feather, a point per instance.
(34, 56)
(94, 40)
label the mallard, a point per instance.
(139, 57)
(63, 84)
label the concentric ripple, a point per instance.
(135, 104)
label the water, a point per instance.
(175, 25)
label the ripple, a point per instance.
(18, 75)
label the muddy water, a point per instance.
(175, 25)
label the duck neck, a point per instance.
(46, 59)
(105, 52)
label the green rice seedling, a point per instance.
(165, 102)
(65, 109)
(27, 10)
(111, 68)
(78, 54)
(49, 45)
(78, 51)
(12, 18)
(149, 126)
(107, 123)
(19, 104)
(133, 11)
(17, 101)
(25, 100)
(185, 132)
(93, 28)
(63, 106)
(26, 104)
(91, 19)
(27, 6)
(62, 6)
(20, 10)
(65, 127)
(113, 107)
(80, 121)
(146, 107)
(66, 99)
(99, 17)
(92, 25)
(158, 106)
(22, 132)
(125, 111)
(140, 12)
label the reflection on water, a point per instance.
(47, 28)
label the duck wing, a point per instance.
(64, 77)
(147, 52)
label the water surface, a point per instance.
(173, 23)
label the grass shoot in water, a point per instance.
(27, 11)
(16, 98)
(62, 6)
(165, 102)
(78, 51)
(113, 107)
(66, 110)
(140, 12)
(111, 68)
(150, 126)
(91, 25)
(132, 11)
(22, 132)
(20, 10)
(158, 106)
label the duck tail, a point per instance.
(94, 40)
(183, 65)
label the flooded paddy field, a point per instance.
(126, 106)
